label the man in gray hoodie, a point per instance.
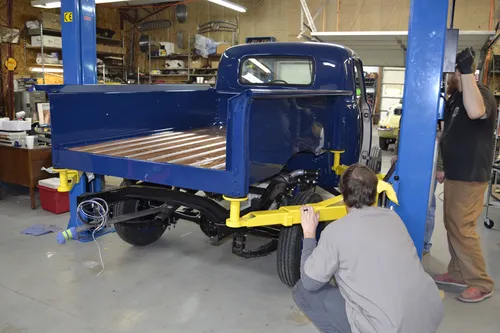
(382, 286)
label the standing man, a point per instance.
(467, 152)
(382, 286)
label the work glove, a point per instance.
(465, 59)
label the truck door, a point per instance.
(365, 115)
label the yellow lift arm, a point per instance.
(329, 210)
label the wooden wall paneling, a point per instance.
(23, 11)
(472, 14)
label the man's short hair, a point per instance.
(358, 185)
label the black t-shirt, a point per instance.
(467, 145)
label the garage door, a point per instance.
(388, 48)
(393, 79)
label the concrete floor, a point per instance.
(178, 284)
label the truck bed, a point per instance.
(202, 148)
(177, 137)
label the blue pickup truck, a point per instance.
(281, 120)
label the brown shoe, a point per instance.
(474, 295)
(446, 279)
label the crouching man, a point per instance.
(382, 286)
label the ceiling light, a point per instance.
(252, 78)
(230, 4)
(57, 4)
(43, 4)
(260, 65)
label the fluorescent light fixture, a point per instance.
(46, 4)
(260, 65)
(46, 70)
(252, 78)
(230, 5)
(57, 4)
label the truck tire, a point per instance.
(132, 234)
(290, 243)
(383, 143)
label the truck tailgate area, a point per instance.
(202, 148)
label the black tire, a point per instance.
(489, 223)
(383, 143)
(133, 234)
(290, 243)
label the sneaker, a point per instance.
(426, 254)
(474, 295)
(446, 279)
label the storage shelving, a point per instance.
(105, 47)
(190, 72)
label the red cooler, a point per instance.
(50, 199)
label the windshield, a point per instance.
(276, 71)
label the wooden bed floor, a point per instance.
(203, 148)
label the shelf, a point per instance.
(204, 75)
(170, 69)
(48, 48)
(168, 75)
(109, 41)
(114, 67)
(48, 32)
(120, 52)
(46, 65)
(205, 69)
(170, 56)
(55, 32)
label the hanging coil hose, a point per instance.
(93, 215)
(93, 212)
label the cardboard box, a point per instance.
(198, 63)
(215, 64)
(50, 20)
(221, 48)
(48, 41)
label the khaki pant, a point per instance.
(463, 204)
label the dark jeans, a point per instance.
(325, 308)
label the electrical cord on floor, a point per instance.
(95, 210)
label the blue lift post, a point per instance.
(79, 59)
(424, 71)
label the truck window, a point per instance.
(276, 71)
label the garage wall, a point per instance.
(23, 11)
(281, 18)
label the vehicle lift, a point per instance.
(414, 171)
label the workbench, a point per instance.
(22, 166)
